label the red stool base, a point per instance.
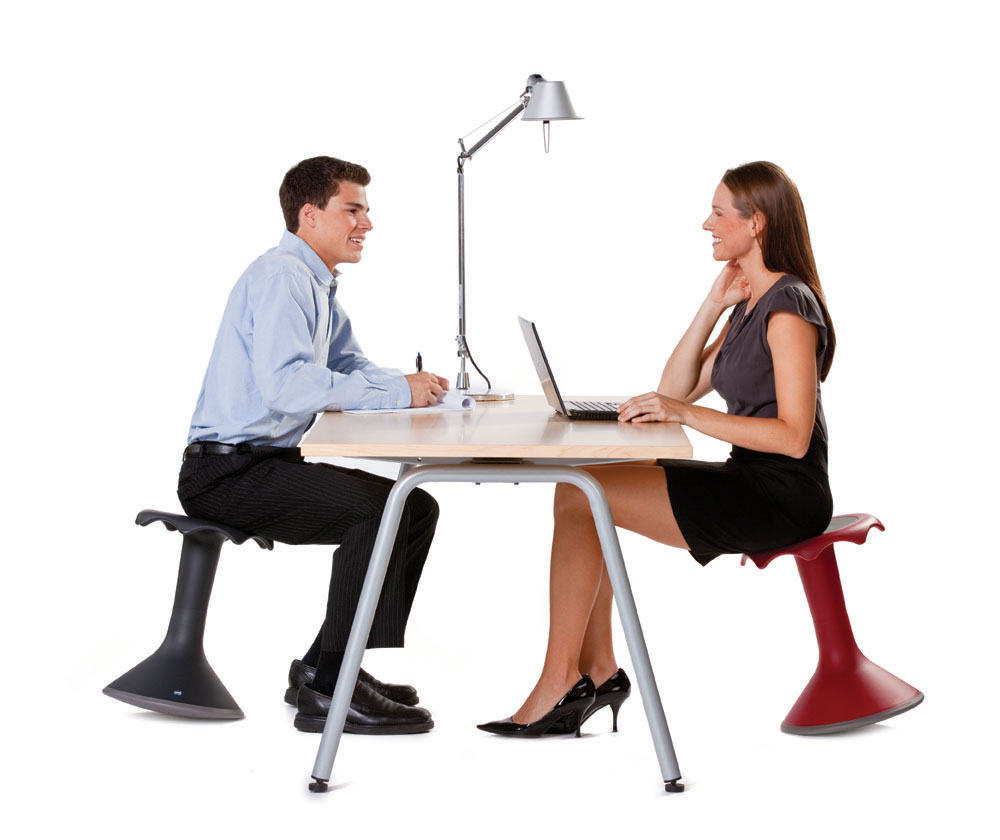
(844, 726)
(836, 700)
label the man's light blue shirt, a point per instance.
(286, 351)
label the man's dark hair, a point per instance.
(315, 181)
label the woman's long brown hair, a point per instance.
(765, 188)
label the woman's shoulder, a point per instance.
(792, 294)
(791, 284)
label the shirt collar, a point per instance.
(296, 245)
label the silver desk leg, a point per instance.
(633, 633)
(505, 474)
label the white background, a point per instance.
(143, 149)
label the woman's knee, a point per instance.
(569, 500)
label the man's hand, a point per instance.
(425, 388)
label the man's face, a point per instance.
(337, 233)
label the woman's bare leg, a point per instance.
(574, 581)
(580, 606)
(597, 653)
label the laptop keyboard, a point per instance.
(586, 405)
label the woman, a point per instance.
(767, 362)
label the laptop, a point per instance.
(574, 409)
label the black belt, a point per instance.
(209, 449)
(257, 452)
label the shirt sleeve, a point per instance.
(800, 300)
(284, 359)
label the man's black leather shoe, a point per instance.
(300, 674)
(405, 695)
(370, 713)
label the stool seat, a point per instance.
(189, 525)
(847, 690)
(849, 527)
(177, 678)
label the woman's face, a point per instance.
(732, 235)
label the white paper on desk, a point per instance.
(447, 401)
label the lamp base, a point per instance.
(485, 396)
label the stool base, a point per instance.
(857, 723)
(176, 683)
(169, 707)
(848, 695)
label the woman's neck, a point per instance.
(759, 278)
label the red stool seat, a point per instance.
(847, 690)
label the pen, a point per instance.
(420, 363)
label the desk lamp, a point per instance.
(541, 101)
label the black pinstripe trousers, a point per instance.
(274, 492)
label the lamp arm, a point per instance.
(493, 132)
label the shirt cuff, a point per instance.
(399, 391)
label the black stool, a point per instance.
(177, 679)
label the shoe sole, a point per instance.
(513, 733)
(316, 723)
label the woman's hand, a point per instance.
(730, 287)
(652, 407)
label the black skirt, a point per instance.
(755, 501)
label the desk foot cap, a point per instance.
(319, 786)
(674, 785)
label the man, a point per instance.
(285, 351)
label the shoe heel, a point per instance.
(614, 713)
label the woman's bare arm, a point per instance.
(685, 369)
(793, 349)
(704, 384)
(687, 374)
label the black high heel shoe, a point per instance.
(612, 692)
(569, 711)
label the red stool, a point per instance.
(848, 690)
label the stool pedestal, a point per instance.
(177, 679)
(847, 690)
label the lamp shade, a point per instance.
(549, 101)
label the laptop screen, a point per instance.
(549, 387)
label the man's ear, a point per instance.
(307, 215)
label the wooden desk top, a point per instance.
(525, 427)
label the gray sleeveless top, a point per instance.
(743, 372)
